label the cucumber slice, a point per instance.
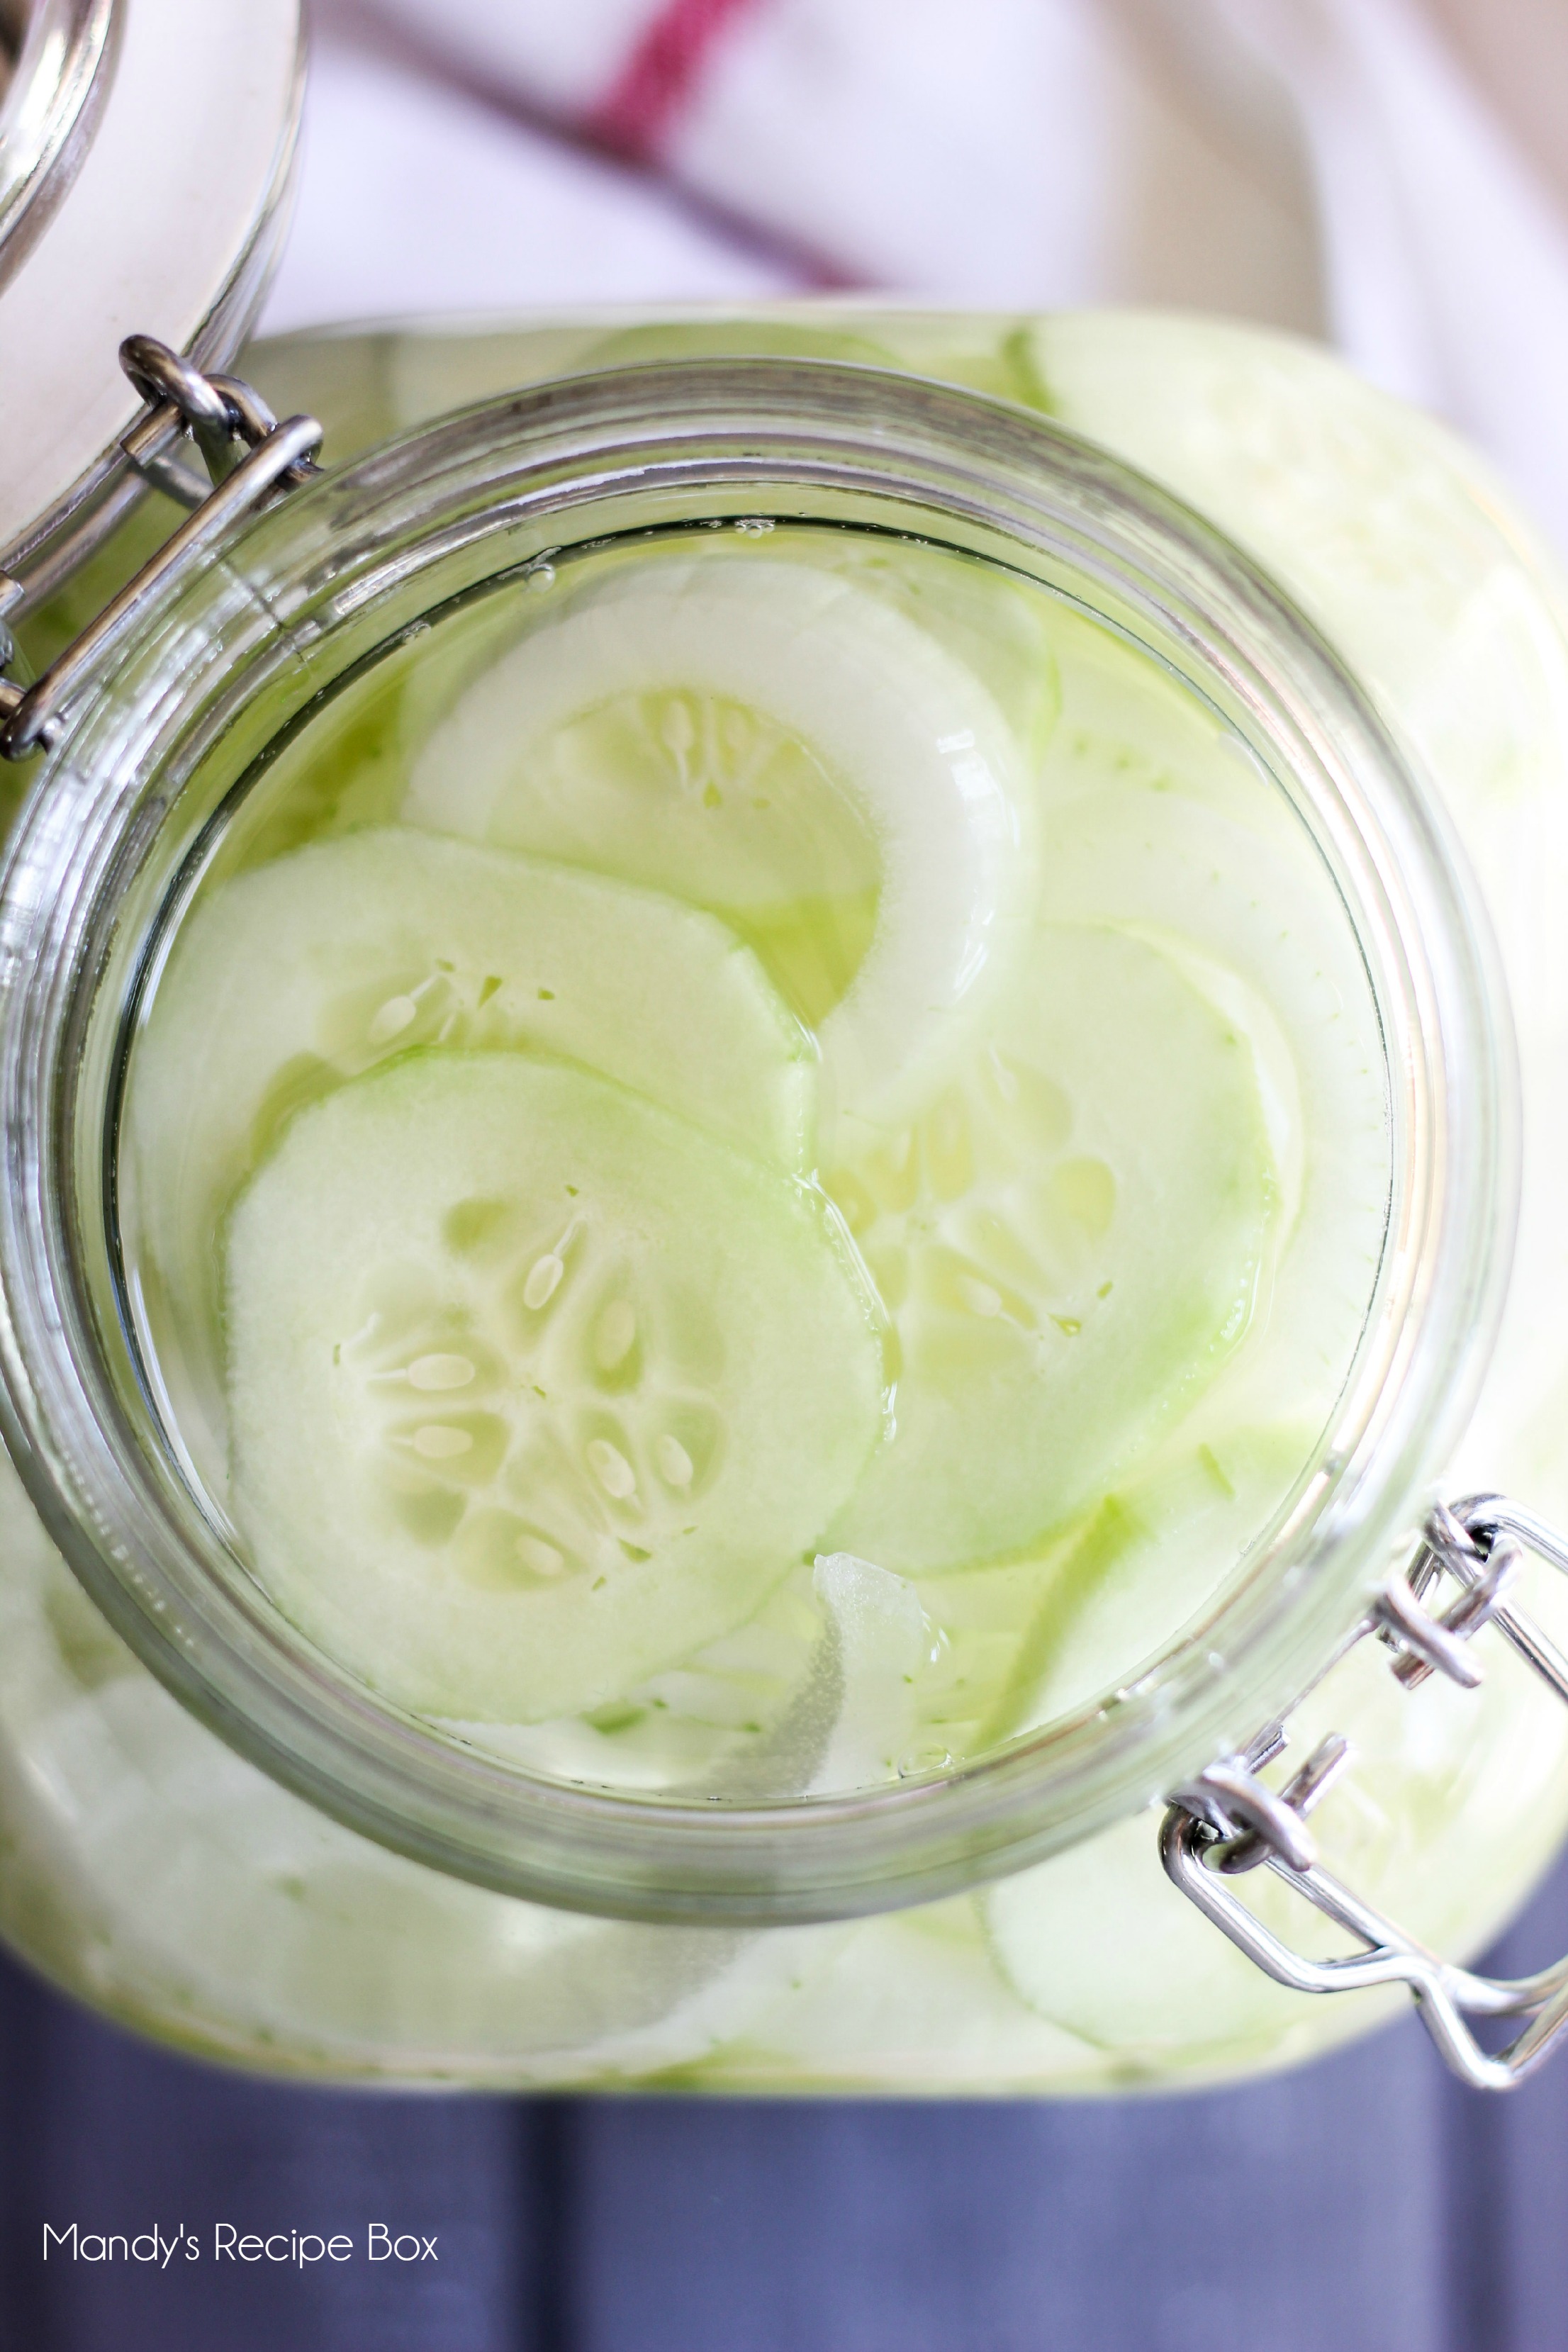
(293, 977)
(1068, 1241)
(1098, 1938)
(1249, 923)
(533, 1389)
(276, 1925)
(1141, 1566)
(748, 1716)
(173, 1883)
(819, 1692)
(1099, 1941)
(763, 735)
(912, 1997)
(814, 1694)
(303, 972)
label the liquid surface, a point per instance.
(730, 1161)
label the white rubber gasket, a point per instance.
(170, 228)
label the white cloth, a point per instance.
(1320, 165)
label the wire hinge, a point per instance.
(1228, 1820)
(250, 456)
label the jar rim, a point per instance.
(351, 564)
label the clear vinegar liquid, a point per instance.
(160, 1877)
(1111, 1225)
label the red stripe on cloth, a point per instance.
(660, 75)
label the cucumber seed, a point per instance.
(439, 1442)
(441, 1372)
(392, 1019)
(674, 1461)
(543, 1277)
(540, 1558)
(617, 1329)
(613, 1471)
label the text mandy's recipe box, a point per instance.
(228, 2243)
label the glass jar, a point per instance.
(213, 1835)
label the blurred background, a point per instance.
(1391, 176)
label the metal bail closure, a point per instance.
(1230, 1820)
(249, 457)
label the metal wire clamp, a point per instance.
(1230, 1820)
(249, 457)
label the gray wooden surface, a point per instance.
(1366, 2204)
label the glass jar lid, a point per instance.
(107, 223)
(55, 57)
